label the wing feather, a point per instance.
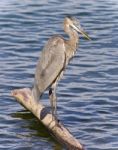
(50, 64)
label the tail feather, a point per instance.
(36, 93)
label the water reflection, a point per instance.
(33, 129)
(88, 93)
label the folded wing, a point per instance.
(50, 64)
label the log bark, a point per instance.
(55, 127)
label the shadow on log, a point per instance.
(55, 127)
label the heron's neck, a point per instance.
(73, 37)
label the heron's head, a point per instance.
(75, 24)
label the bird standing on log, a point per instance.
(55, 56)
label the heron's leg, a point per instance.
(53, 99)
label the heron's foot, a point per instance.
(57, 121)
(54, 117)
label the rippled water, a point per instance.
(88, 93)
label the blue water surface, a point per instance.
(88, 92)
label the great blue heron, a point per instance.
(55, 56)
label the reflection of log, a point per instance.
(56, 128)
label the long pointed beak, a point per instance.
(80, 30)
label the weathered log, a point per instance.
(55, 127)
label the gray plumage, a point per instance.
(55, 56)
